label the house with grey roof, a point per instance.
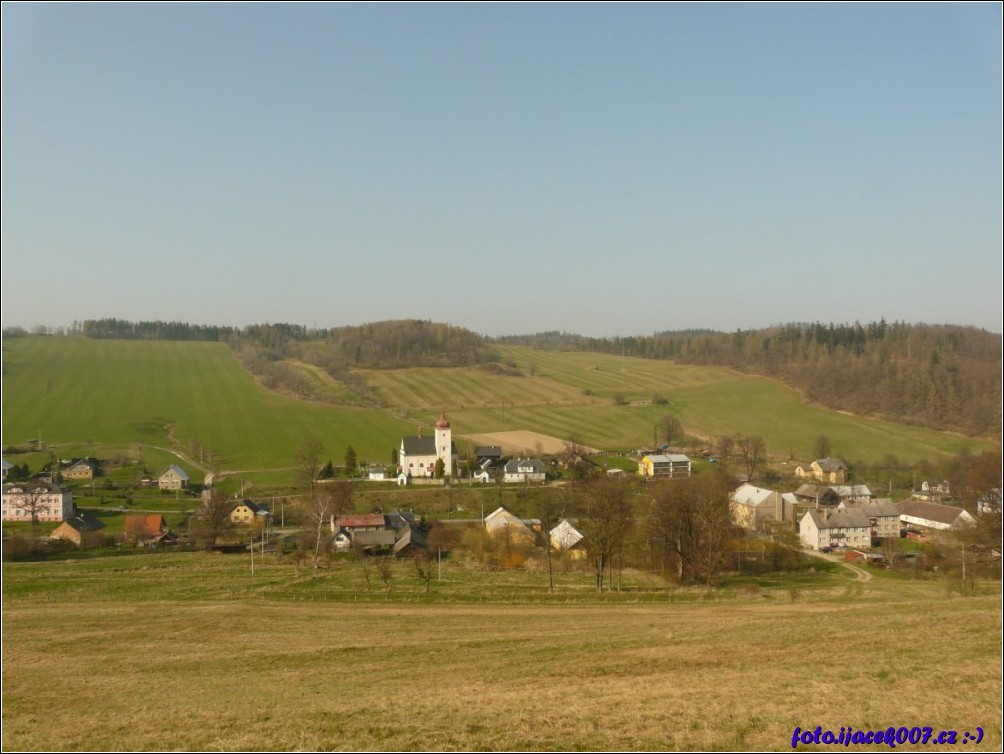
(174, 478)
(832, 528)
(525, 470)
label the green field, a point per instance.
(153, 400)
(189, 651)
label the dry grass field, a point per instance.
(188, 652)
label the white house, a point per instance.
(835, 528)
(418, 455)
(525, 470)
(174, 478)
(36, 501)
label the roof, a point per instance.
(520, 466)
(942, 514)
(180, 472)
(84, 523)
(253, 506)
(149, 524)
(488, 451)
(500, 519)
(878, 508)
(747, 494)
(668, 458)
(362, 520)
(31, 485)
(830, 464)
(443, 422)
(419, 446)
(565, 535)
(842, 518)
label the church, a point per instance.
(418, 455)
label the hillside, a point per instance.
(87, 394)
(939, 376)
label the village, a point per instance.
(823, 514)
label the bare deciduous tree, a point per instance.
(607, 521)
(212, 518)
(752, 454)
(690, 522)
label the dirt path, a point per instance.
(860, 574)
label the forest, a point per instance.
(939, 376)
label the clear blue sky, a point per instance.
(602, 169)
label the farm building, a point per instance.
(174, 478)
(933, 516)
(669, 465)
(82, 530)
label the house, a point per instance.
(827, 528)
(249, 513)
(501, 522)
(7, 466)
(668, 465)
(883, 516)
(525, 470)
(377, 474)
(832, 470)
(82, 530)
(418, 455)
(36, 501)
(145, 529)
(933, 516)
(174, 478)
(565, 538)
(82, 469)
(752, 507)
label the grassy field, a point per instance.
(188, 651)
(153, 400)
(88, 394)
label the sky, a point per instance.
(599, 169)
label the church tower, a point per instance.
(444, 443)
